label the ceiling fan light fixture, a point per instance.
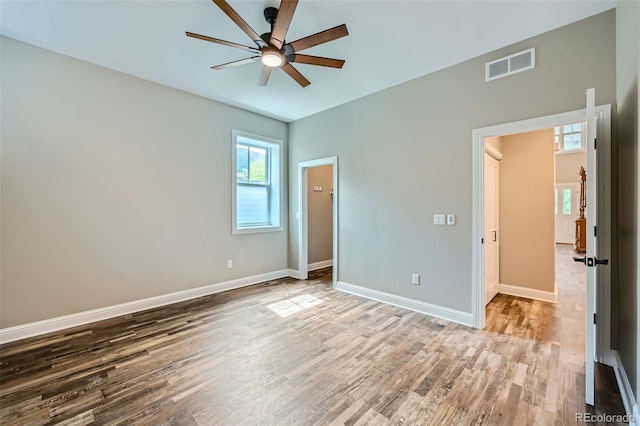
(272, 58)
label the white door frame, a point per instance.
(303, 215)
(603, 343)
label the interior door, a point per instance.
(567, 199)
(491, 228)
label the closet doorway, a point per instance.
(317, 193)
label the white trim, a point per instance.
(604, 185)
(530, 293)
(448, 314)
(303, 215)
(37, 328)
(577, 184)
(574, 151)
(277, 184)
(626, 392)
(320, 265)
(293, 273)
(493, 151)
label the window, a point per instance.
(570, 137)
(257, 181)
(566, 201)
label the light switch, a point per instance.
(451, 219)
(438, 219)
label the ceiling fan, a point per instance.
(272, 49)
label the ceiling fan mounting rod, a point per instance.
(270, 15)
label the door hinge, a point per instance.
(482, 241)
(595, 231)
(594, 319)
(595, 143)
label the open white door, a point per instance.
(591, 260)
(491, 223)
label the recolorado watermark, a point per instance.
(604, 418)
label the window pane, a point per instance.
(252, 205)
(566, 128)
(572, 141)
(258, 165)
(566, 201)
(556, 197)
(577, 127)
(242, 163)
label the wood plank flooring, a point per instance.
(291, 352)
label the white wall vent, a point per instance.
(511, 64)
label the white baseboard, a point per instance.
(452, 315)
(293, 273)
(628, 399)
(37, 328)
(529, 293)
(320, 265)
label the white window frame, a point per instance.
(583, 140)
(275, 170)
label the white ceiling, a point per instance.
(390, 42)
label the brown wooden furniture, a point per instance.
(581, 222)
(581, 235)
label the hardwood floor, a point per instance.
(291, 352)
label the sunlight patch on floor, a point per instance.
(285, 308)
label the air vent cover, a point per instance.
(511, 64)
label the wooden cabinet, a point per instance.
(581, 235)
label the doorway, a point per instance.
(519, 240)
(604, 212)
(320, 217)
(308, 187)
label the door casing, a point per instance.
(603, 342)
(303, 215)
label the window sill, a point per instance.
(574, 151)
(256, 230)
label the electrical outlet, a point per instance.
(415, 279)
(229, 264)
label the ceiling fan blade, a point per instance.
(317, 60)
(236, 63)
(283, 19)
(265, 72)
(295, 74)
(223, 42)
(224, 6)
(319, 38)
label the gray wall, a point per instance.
(320, 210)
(115, 189)
(405, 154)
(627, 44)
